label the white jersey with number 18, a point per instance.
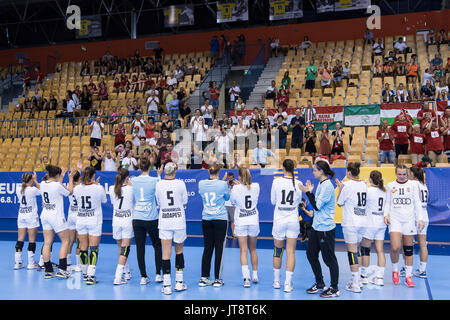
(353, 198)
(171, 196)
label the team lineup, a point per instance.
(156, 206)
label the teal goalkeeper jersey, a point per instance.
(144, 198)
(214, 193)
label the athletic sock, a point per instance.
(41, 260)
(127, 267)
(255, 273)
(77, 259)
(422, 266)
(166, 279)
(48, 266)
(276, 274)
(408, 271)
(380, 272)
(69, 259)
(18, 257)
(245, 272)
(355, 277)
(119, 272)
(91, 270)
(363, 271)
(288, 277)
(179, 275)
(30, 257)
(84, 260)
(395, 266)
(63, 264)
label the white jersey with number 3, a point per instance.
(28, 206)
(353, 198)
(245, 200)
(123, 206)
(423, 196)
(376, 201)
(90, 198)
(403, 202)
(171, 196)
(286, 198)
(53, 194)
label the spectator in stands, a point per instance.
(129, 162)
(152, 103)
(305, 44)
(271, 93)
(280, 112)
(424, 163)
(309, 113)
(240, 132)
(400, 46)
(378, 48)
(253, 133)
(401, 129)
(417, 141)
(92, 87)
(325, 71)
(286, 83)
(39, 78)
(258, 115)
(389, 69)
(199, 130)
(158, 53)
(185, 114)
(143, 145)
(95, 158)
(119, 135)
(214, 94)
(207, 113)
(437, 62)
(170, 155)
(442, 37)
(70, 106)
(177, 75)
(265, 132)
(97, 128)
(440, 86)
(428, 91)
(446, 131)
(223, 142)
(368, 37)
(102, 90)
(137, 127)
(297, 127)
(433, 141)
(86, 101)
(337, 73)
(109, 161)
(311, 73)
(428, 76)
(385, 137)
(338, 142)
(282, 128)
(214, 49)
(283, 100)
(377, 69)
(260, 154)
(402, 94)
(240, 105)
(310, 141)
(390, 57)
(324, 138)
(166, 124)
(134, 84)
(85, 69)
(388, 94)
(234, 93)
(400, 68)
(274, 45)
(445, 96)
(26, 82)
(412, 70)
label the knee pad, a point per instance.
(93, 255)
(278, 252)
(84, 257)
(352, 258)
(364, 251)
(408, 250)
(179, 262)
(165, 266)
(19, 246)
(32, 246)
(125, 251)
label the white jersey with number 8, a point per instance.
(171, 196)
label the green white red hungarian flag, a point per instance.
(388, 111)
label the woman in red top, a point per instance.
(119, 135)
(124, 83)
(417, 141)
(38, 78)
(117, 85)
(283, 100)
(433, 141)
(92, 87)
(446, 133)
(149, 129)
(401, 130)
(102, 90)
(214, 94)
(324, 138)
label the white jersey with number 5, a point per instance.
(245, 200)
(27, 199)
(123, 206)
(376, 201)
(403, 202)
(53, 194)
(171, 196)
(353, 198)
(90, 198)
(286, 198)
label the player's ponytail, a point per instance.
(289, 166)
(244, 177)
(53, 171)
(325, 168)
(122, 175)
(88, 174)
(377, 179)
(418, 173)
(26, 178)
(353, 167)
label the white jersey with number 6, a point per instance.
(123, 206)
(376, 201)
(403, 202)
(27, 199)
(245, 200)
(353, 198)
(89, 198)
(171, 196)
(286, 198)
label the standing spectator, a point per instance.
(385, 136)
(311, 73)
(185, 114)
(199, 130)
(214, 49)
(26, 82)
(143, 145)
(433, 141)
(338, 142)
(283, 100)
(428, 75)
(325, 81)
(240, 105)
(412, 70)
(286, 83)
(152, 103)
(214, 94)
(110, 161)
(309, 113)
(39, 78)
(70, 106)
(86, 101)
(265, 133)
(274, 45)
(388, 94)
(119, 134)
(129, 162)
(169, 155)
(223, 147)
(166, 124)
(423, 113)
(138, 126)
(417, 141)
(282, 128)
(297, 127)
(207, 113)
(310, 144)
(97, 128)
(158, 53)
(337, 73)
(324, 138)
(260, 154)
(95, 159)
(234, 92)
(368, 37)
(401, 128)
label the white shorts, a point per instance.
(29, 223)
(90, 229)
(405, 228)
(425, 228)
(353, 234)
(178, 235)
(375, 233)
(123, 232)
(72, 221)
(56, 223)
(281, 231)
(246, 231)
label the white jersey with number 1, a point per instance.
(245, 200)
(171, 196)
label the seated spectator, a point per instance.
(172, 81)
(325, 72)
(282, 128)
(207, 112)
(400, 46)
(281, 112)
(417, 143)
(103, 90)
(377, 69)
(378, 48)
(402, 94)
(368, 37)
(431, 37)
(170, 99)
(433, 141)
(346, 71)
(437, 62)
(445, 96)
(427, 76)
(337, 73)
(271, 92)
(388, 94)
(260, 154)
(283, 100)
(390, 57)
(286, 83)
(124, 83)
(428, 91)
(305, 43)
(385, 137)
(181, 98)
(414, 93)
(85, 69)
(310, 141)
(400, 69)
(424, 163)
(442, 37)
(440, 86)
(92, 87)
(191, 68)
(401, 129)
(389, 69)
(240, 105)
(412, 70)
(117, 85)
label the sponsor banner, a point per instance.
(285, 9)
(90, 27)
(388, 111)
(180, 15)
(341, 5)
(231, 11)
(365, 115)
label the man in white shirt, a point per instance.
(400, 46)
(152, 90)
(223, 148)
(138, 126)
(110, 161)
(154, 140)
(199, 130)
(207, 113)
(70, 106)
(97, 127)
(152, 104)
(378, 48)
(172, 81)
(260, 155)
(234, 92)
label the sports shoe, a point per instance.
(409, 282)
(63, 274)
(218, 283)
(379, 281)
(276, 284)
(205, 282)
(288, 287)
(158, 278)
(54, 265)
(127, 276)
(364, 280)
(33, 265)
(180, 286)
(395, 277)
(74, 268)
(85, 277)
(255, 279)
(18, 266)
(402, 272)
(247, 283)
(315, 288)
(91, 280)
(144, 281)
(49, 275)
(119, 281)
(330, 293)
(420, 274)
(352, 287)
(166, 289)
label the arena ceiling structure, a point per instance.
(43, 22)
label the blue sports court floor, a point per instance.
(30, 284)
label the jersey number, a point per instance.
(24, 200)
(424, 196)
(120, 203)
(86, 202)
(401, 191)
(248, 202)
(289, 198)
(380, 204)
(211, 202)
(45, 195)
(170, 198)
(362, 196)
(75, 203)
